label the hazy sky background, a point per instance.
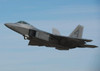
(65, 15)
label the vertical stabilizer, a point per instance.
(55, 31)
(78, 32)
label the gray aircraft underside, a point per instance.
(37, 37)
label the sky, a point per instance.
(65, 15)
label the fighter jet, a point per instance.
(38, 37)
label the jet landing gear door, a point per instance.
(39, 35)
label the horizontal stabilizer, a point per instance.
(87, 40)
(91, 46)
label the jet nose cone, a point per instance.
(8, 25)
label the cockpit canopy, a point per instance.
(22, 22)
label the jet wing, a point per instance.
(43, 43)
(72, 42)
(70, 38)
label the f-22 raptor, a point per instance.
(38, 37)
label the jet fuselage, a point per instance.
(41, 38)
